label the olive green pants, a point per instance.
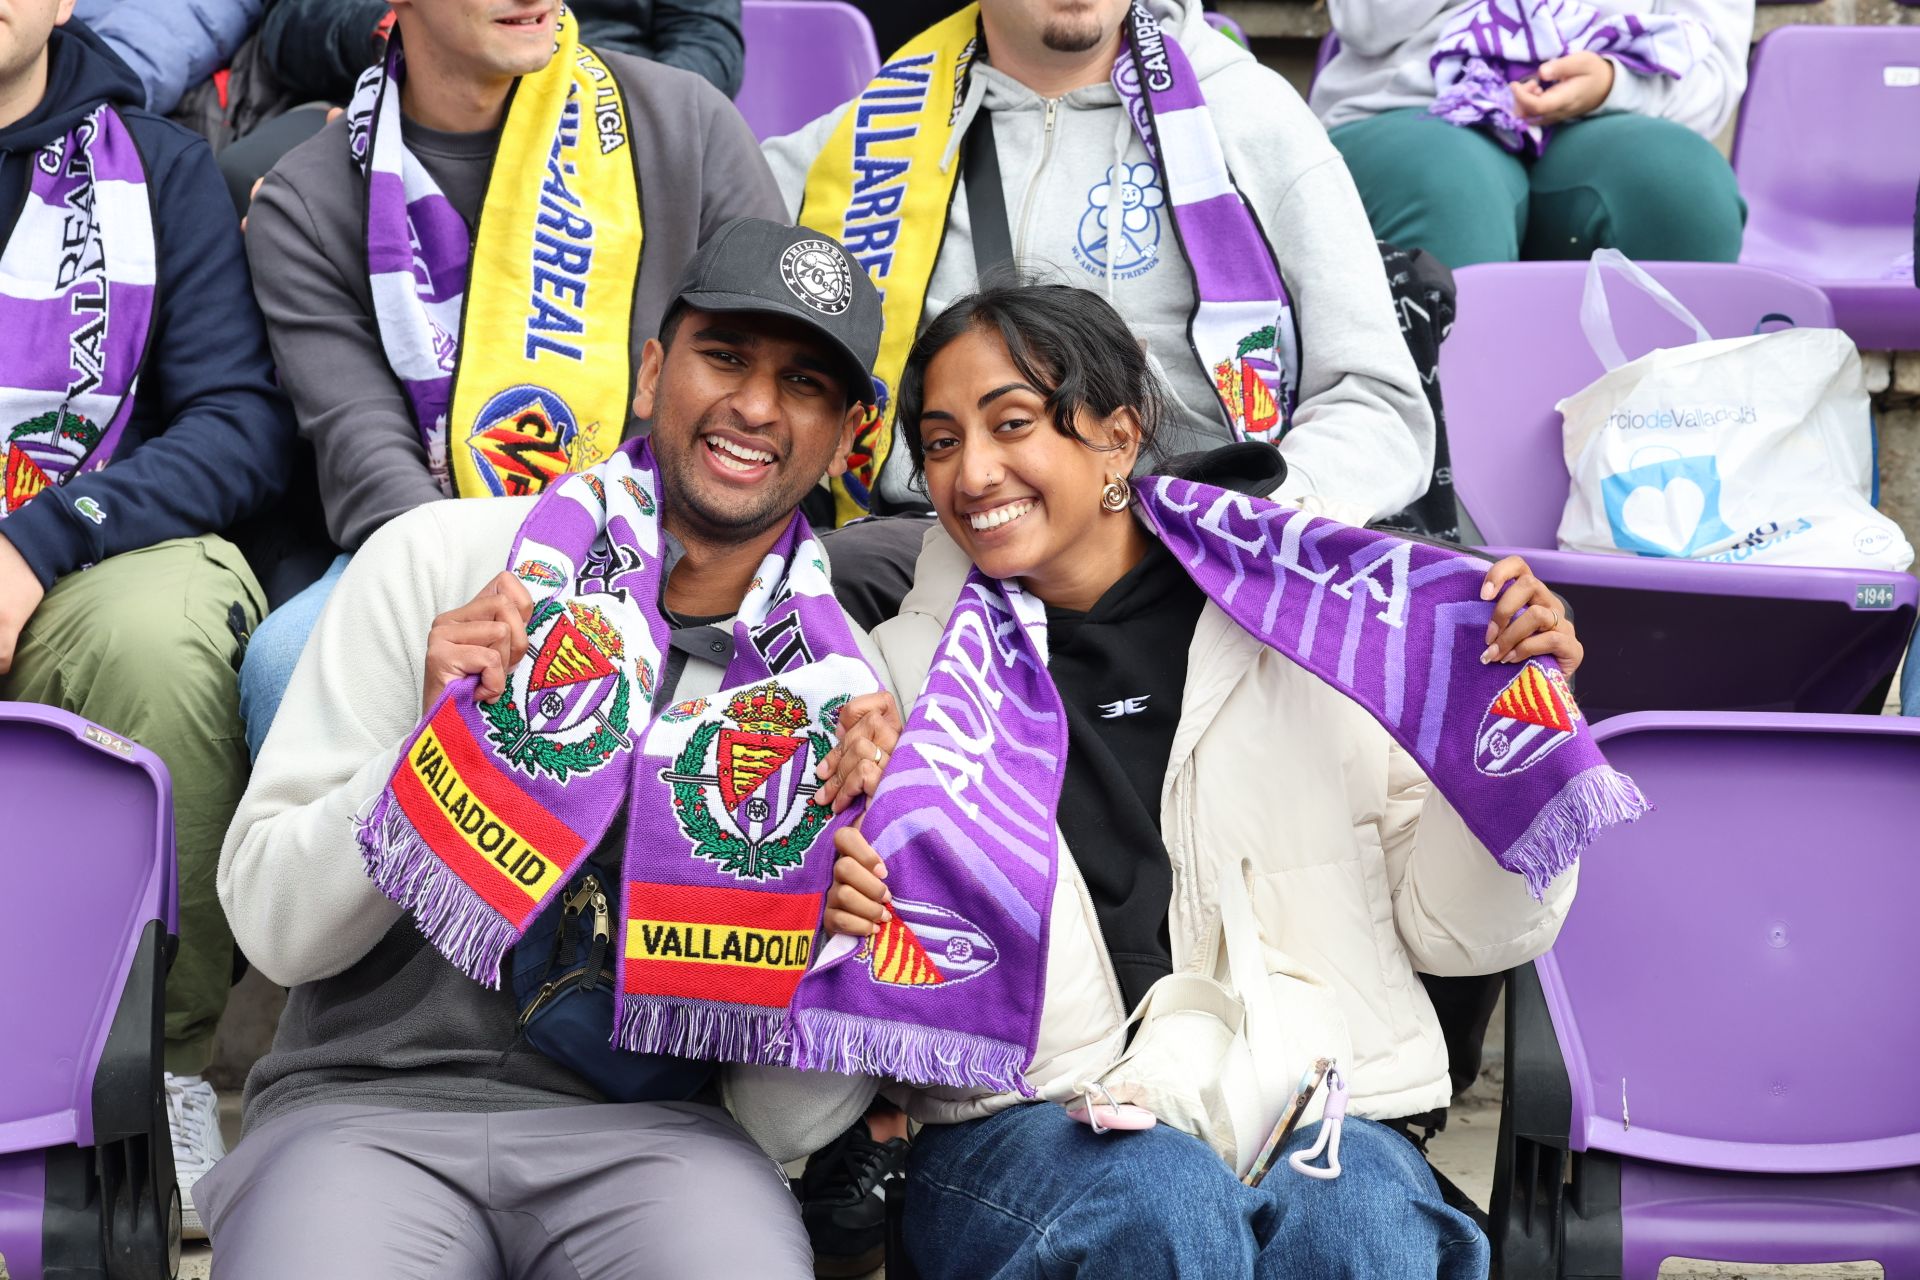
(1653, 189)
(144, 644)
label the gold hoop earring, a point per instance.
(1117, 496)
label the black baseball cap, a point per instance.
(751, 264)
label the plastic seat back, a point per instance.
(804, 58)
(86, 861)
(1826, 153)
(1726, 990)
(1516, 350)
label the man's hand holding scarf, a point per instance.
(869, 726)
(1564, 89)
(485, 637)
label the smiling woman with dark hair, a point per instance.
(1196, 755)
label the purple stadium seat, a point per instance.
(1660, 634)
(87, 1187)
(1229, 28)
(804, 58)
(1717, 1044)
(1826, 153)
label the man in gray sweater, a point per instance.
(697, 166)
(1081, 201)
(402, 1127)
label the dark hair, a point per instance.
(1068, 342)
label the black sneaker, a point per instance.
(842, 1204)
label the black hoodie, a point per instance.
(211, 438)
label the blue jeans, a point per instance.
(274, 651)
(1031, 1193)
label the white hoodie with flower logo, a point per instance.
(1088, 207)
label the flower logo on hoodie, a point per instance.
(1120, 231)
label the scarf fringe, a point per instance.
(828, 1040)
(1482, 95)
(1587, 805)
(705, 1030)
(450, 915)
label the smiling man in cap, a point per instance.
(402, 1125)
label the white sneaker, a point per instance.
(193, 1113)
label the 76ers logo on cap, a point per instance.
(817, 274)
(1534, 714)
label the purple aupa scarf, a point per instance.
(76, 306)
(1242, 330)
(492, 809)
(950, 991)
(1490, 44)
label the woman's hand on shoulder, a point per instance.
(857, 902)
(1529, 621)
(869, 727)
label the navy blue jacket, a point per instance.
(211, 440)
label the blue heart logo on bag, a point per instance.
(1666, 508)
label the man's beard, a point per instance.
(1077, 37)
(682, 494)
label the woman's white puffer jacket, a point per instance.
(1361, 874)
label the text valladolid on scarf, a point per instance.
(949, 992)
(492, 808)
(1490, 44)
(517, 364)
(76, 309)
(885, 180)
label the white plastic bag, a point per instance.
(1739, 450)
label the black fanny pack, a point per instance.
(563, 985)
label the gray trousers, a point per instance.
(633, 1191)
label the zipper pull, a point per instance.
(602, 917)
(1053, 106)
(577, 901)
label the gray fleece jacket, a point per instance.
(1362, 437)
(306, 240)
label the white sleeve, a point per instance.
(1705, 99)
(792, 155)
(1375, 28)
(291, 877)
(1458, 912)
(794, 1113)
(1362, 434)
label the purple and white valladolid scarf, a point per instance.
(76, 307)
(493, 807)
(949, 992)
(418, 251)
(1490, 44)
(1242, 330)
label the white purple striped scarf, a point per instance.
(1490, 44)
(76, 307)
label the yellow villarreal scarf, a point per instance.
(538, 382)
(878, 176)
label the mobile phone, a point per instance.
(1310, 1081)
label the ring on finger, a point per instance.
(879, 756)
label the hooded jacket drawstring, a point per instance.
(969, 107)
(1116, 199)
